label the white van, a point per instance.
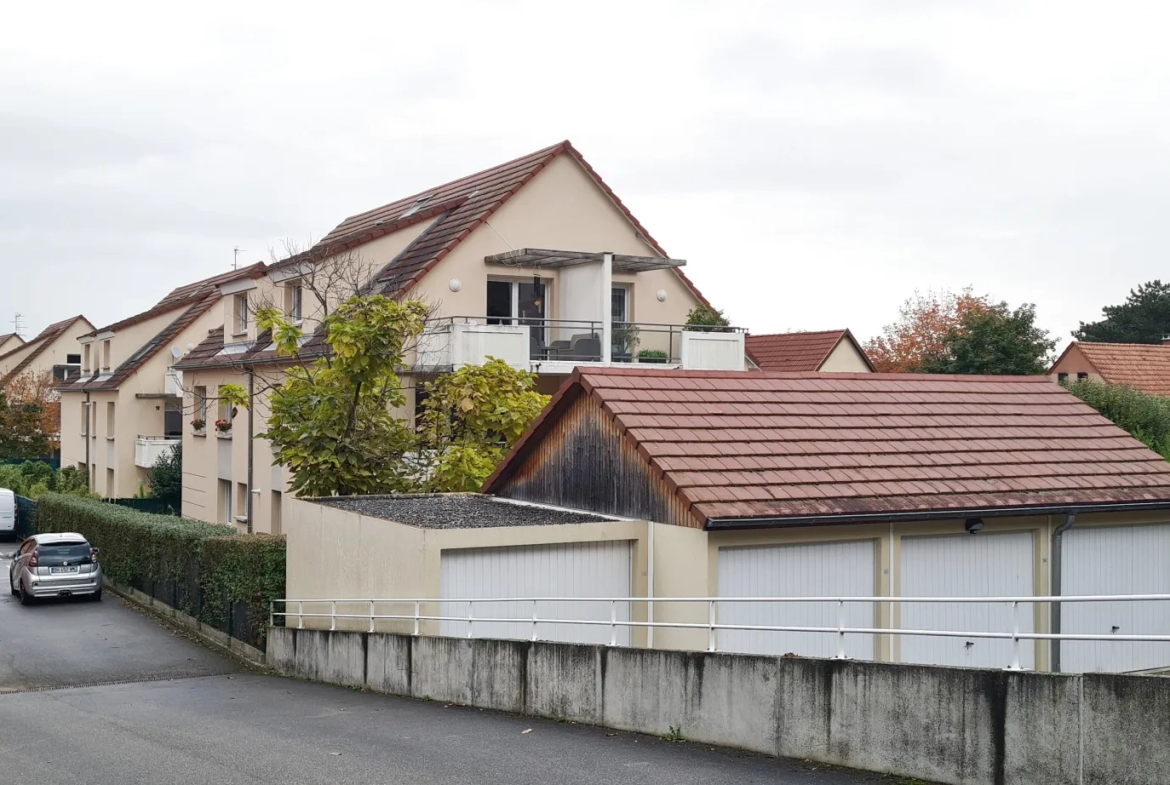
(7, 511)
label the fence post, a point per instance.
(711, 625)
(333, 614)
(1015, 666)
(300, 614)
(470, 616)
(534, 620)
(371, 615)
(840, 629)
(416, 615)
(613, 622)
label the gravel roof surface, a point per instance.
(455, 511)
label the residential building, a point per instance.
(126, 407)
(1145, 367)
(535, 261)
(826, 350)
(655, 483)
(10, 342)
(54, 350)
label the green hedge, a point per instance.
(205, 570)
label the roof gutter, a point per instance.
(773, 522)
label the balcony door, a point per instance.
(519, 302)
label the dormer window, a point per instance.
(241, 313)
(414, 208)
(295, 298)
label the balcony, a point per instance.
(557, 346)
(148, 449)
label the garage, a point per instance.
(840, 569)
(965, 565)
(1116, 560)
(586, 569)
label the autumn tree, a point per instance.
(470, 420)
(39, 388)
(22, 433)
(1144, 317)
(920, 334)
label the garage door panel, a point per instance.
(981, 565)
(813, 570)
(1115, 560)
(592, 569)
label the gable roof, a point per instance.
(38, 345)
(798, 351)
(1143, 366)
(812, 448)
(6, 337)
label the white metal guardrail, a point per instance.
(712, 625)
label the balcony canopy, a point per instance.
(552, 260)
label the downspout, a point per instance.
(88, 420)
(251, 436)
(1057, 538)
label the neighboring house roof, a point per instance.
(798, 352)
(1145, 367)
(809, 448)
(38, 345)
(6, 337)
(453, 211)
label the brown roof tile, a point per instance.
(797, 352)
(843, 444)
(1145, 367)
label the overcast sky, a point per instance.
(814, 162)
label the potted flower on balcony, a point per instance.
(198, 425)
(223, 426)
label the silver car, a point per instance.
(55, 565)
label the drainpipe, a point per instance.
(251, 435)
(607, 307)
(88, 420)
(650, 556)
(1057, 537)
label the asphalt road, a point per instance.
(99, 694)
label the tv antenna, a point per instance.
(236, 257)
(17, 326)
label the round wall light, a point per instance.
(661, 295)
(455, 285)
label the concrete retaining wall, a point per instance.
(951, 725)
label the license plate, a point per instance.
(58, 570)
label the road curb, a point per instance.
(210, 636)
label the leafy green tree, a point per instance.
(21, 429)
(331, 422)
(470, 419)
(1144, 317)
(701, 318)
(1145, 417)
(166, 477)
(994, 340)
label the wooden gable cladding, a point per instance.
(585, 460)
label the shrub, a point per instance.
(1146, 417)
(33, 478)
(653, 356)
(704, 319)
(204, 570)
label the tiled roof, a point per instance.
(1145, 367)
(6, 336)
(797, 352)
(768, 445)
(187, 295)
(38, 345)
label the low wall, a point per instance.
(951, 725)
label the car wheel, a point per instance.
(25, 597)
(97, 596)
(12, 587)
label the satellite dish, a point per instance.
(190, 346)
(175, 352)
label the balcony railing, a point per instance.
(467, 340)
(148, 449)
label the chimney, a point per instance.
(1165, 339)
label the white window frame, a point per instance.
(240, 313)
(296, 302)
(626, 296)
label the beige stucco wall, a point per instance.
(56, 354)
(1073, 362)
(845, 359)
(10, 344)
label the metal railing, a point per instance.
(1016, 634)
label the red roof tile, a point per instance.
(797, 352)
(1145, 367)
(842, 444)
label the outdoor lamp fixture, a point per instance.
(973, 525)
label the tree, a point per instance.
(702, 318)
(471, 418)
(1145, 417)
(22, 433)
(166, 477)
(330, 420)
(919, 335)
(994, 340)
(39, 388)
(1144, 317)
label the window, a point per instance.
(85, 418)
(1062, 378)
(295, 298)
(85, 366)
(241, 498)
(111, 489)
(240, 307)
(173, 418)
(201, 404)
(620, 304)
(276, 501)
(225, 501)
(110, 420)
(520, 302)
(225, 408)
(73, 359)
(106, 354)
(1082, 376)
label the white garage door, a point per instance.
(1118, 560)
(966, 565)
(843, 569)
(590, 569)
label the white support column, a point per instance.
(607, 307)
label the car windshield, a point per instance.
(58, 553)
